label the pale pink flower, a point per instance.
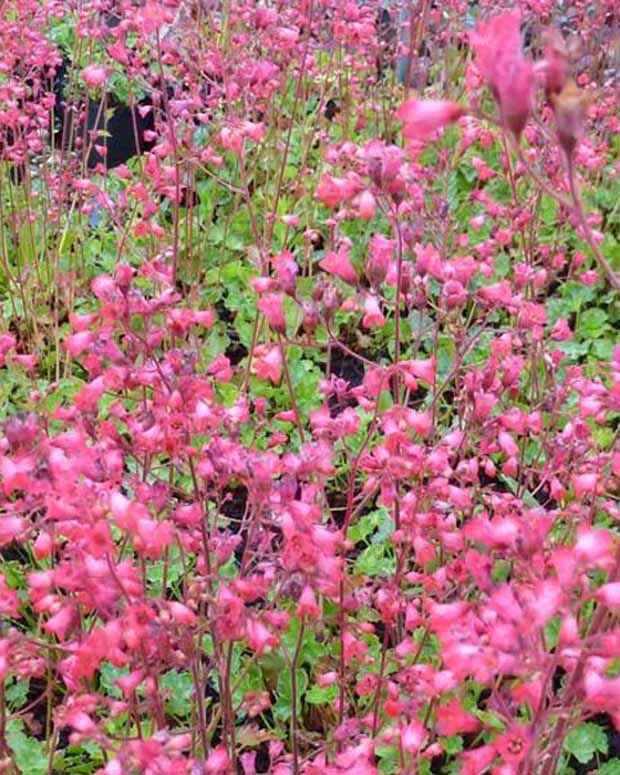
(307, 605)
(609, 594)
(413, 736)
(366, 205)
(95, 76)
(585, 484)
(373, 317)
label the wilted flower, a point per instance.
(569, 107)
(554, 66)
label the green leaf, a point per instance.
(16, 694)
(284, 693)
(389, 758)
(179, 688)
(501, 571)
(584, 741)
(107, 678)
(321, 695)
(28, 752)
(364, 527)
(310, 650)
(552, 632)
(613, 669)
(373, 562)
(612, 767)
(174, 572)
(251, 680)
(489, 718)
(451, 745)
(385, 401)
(592, 323)
(603, 348)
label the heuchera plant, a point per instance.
(310, 459)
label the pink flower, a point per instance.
(79, 342)
(95, 76)
(475, 761)
(339, 263)
(514, 744)
(307, 605)
(218, 761)
(570, 107)
(585, 484)
(561, 331)
(422, 118)
(422, 369)
(9, 602)
(60, 622)
(272, 307)
(181, 613)
(327, 679)
(452, 719)
(366, 205)
(332, 191)
(609, 595)
(413, 736)
(258, 636)
(267, 363)
(499, 56)
(373, 317)
(379, 259)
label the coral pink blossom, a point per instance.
(339, 263)
(452, 719)
(272, 307)
(499, 56)
(268, 363)
(332, 191)
(421, 118)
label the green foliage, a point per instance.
(374, 530)
(16, 693)
(170, 568)
(85, 759)
(284, 694)
(108, 674)
(178, 687)
(584, 741)
(321, 695)
(28, 752)
(389, 759)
